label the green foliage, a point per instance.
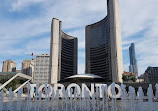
(127, 78)
(12, 84)
(133, 78)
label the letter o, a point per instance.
(118, 95)
(41, 88)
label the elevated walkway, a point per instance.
(29, 78)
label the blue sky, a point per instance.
(25, 27)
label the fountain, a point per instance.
(156, 93)
(123, 97)
(132, 98)
(10, 99)
(77, 101)
(1, 101)
(140, 97)
(19, 101)
(150, 96)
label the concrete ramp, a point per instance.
(17, 75)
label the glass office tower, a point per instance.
(133, 62)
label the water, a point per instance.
(83, 108)
(1, 100)
(19, 101)
(76, 102)
(123, 96)
(150, 96)
(140, 97)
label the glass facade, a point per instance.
(104, 45)
(68, 56)
(133, 62)
(99, 57)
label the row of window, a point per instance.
(42, 68)
(67, 45)
(47, 72)
(42, 65)
(42, 60)
(40, 76)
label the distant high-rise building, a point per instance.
(133, 62)
(104, 45)
(9, 66)
(41, 71)
(28, 67)
(63, 53)
(151, 75)
(18, 71)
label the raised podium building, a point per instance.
(63, 53)
(104, 46)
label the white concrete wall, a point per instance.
(54, 51)
(116, 42)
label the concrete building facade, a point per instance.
(151, 75)
(28, 67)
(104, 46)
(133, 62)
(18, 71)
(41, 71)
(9, 66)
(63, 53)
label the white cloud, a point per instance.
(79, 14)
(127, 42)
(22, 4)
(81, 55)
(23, 29)
(125, 48)
(38, 46)
(139, 19)
(147, 52)
(136, 15)
(39, 24)
(81, 44)
(81, 68)
(80, 34)
(126, 67)
(0, 67)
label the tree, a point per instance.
(133, 78)
(125, 78)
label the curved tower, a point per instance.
(63, 53)
(104, 46)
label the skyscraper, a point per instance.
(28, 67)
(9, 66)
(104, 45)
(133, 62)
(63, 53)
